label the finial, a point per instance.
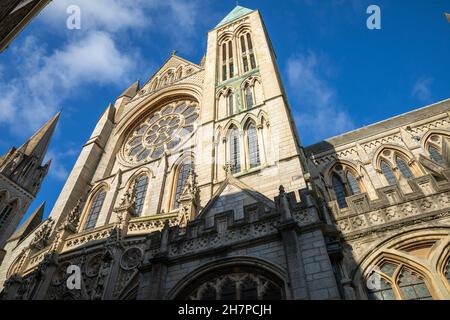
(174, 52)
(448, 16)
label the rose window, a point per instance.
(162, 131)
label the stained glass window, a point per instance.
(235, 286)
(253, 147)
(235, 157)
(249, 289)
(250, 49)
(4, 215)
(230, 59)
(140, 191)
(248, 97)
(404, 168)
(388, 173)
(166, 129)
(435, 155)
(231, 104)
(354, 185)
(183, 173)
(412, 286)
(384, 292)
(94, 212)
(447, 271)
(339, 190)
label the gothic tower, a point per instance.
(21, 174)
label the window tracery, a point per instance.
(140, 189)
(237, 286)
(344, 183)
(398, 282)
(183, 172)
(162, 131)
(94, 210)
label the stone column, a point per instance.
(46, 272)
(153, 274)
(288, 230)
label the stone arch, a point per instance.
(173, 176)
(230, 124)
(273, 272)
(403, 249)
(89, 201)
(243, 28)
(389, 153)
(223, 103)
(405, 153)
(263, 118)
(224, 37)
(429, 133)
(141, 171)
(434, 139)
(144, 109)
(249, 118)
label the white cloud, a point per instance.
(45, 79)
(422, 89)
(119, 15)
(319, 114)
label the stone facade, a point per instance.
(195, 186)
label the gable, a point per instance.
(234, 196)
(174, 69)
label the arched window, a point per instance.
(253, 147)
(404, 168)
(179, 74)
(140, 189)
(353, 184)
(230, 103)
(227, 61)
(384, 292)
(447, 271)
(235, 157)
(248, 97)
(435, 155)
(397, 282)
(412, 286)
(248, 56)
(95, 209)
(339, 190)
(5, 213)
(235, 283)
(388, 173)
(183, 172)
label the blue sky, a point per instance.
(338, 74)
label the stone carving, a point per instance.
(73, 217)
(131, 258)
(188, 200)
(42, 235)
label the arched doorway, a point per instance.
(233, 281)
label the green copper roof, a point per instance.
(236, 13)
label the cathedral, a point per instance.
(195, 186)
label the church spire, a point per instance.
(235, 14)
(38, 144)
